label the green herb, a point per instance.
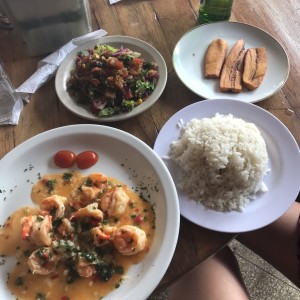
(88, 182)
(67, 177)
(119, 270)
(19, 281)
(50, 185)
(26, 253)
(105, 271)
(127, 105)
(143, 86)
(90, 257)
(40, 296)
(107, 112)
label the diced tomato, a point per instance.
(118, 64)
(114, 62)
(138, 219)
(137, 61)
(127, 94)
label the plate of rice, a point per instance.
(235, 165)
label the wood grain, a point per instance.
(161, 23)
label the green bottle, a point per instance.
(214, 11)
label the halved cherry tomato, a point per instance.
(86, 159)
(64, 158)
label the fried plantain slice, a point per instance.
(214, 58)
(231, 75)
(255, 67)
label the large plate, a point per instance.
(147, 51)
(122, 156)
(284, 162)
(189, 54)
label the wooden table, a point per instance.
(161, 23)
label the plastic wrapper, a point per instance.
(11, 103)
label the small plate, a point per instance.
(189, 54)
(147, 51)
(284, 161)
(121, 156)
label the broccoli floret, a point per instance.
(127, 105)
(101, 49)
(107, 112)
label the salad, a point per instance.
(111, 81)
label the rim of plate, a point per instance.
(63, 73)
(255, 214)
(231, 95)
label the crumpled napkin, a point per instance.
(48, 66)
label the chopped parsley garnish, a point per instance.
(50, 185)
(67, 177)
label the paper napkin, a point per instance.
(114, 1)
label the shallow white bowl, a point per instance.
(148, 52)
(122, 156)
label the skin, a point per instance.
(219, 277)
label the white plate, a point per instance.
(284, 162)
(147, 51)
(122, 156)
(189, 54)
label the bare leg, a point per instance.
(216, 278)
(277, 243)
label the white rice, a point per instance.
(223, 161)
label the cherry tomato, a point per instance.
(86, 159)
(64, 158)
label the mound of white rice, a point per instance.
(223, 160)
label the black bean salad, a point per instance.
(112, 81)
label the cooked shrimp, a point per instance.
(38, 229)
(114, 202)
(89, 193)
(85, 269)
(129, 240)
(54, 205)
(26, 226)
(84, 196)
(99, 180)
(43, 261)
(102, 234)
(90, 211)
(94, 185)
(65, 228)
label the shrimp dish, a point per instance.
(83, 235)
(110, 81)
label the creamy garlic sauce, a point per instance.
(25, 285)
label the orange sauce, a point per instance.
(25, 285)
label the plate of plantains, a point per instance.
(231, 60)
